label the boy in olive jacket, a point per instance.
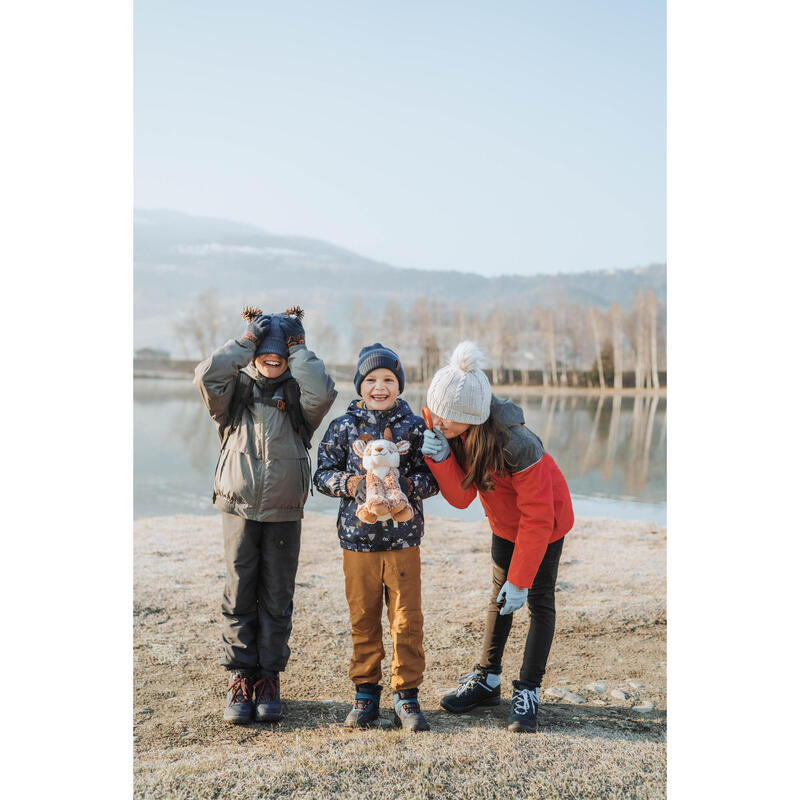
(268, 394)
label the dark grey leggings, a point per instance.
(261, 565)
(541, 608)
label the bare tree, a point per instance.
(546, 323)
(651, 304)
(595, 320)
(200, 327)
(615, 318)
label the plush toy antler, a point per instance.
(249, 313)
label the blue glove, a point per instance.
(258, 328)
(292, 328)
(511, 598)
(435, 445)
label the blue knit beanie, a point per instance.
(375, 356)
(274, 341)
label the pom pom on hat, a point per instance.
(460, 391)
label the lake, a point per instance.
(611, 449)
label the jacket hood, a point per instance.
(506, 412)
(399, 410)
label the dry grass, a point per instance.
(611, 627)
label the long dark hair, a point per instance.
(482, 452)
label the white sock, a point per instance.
(492, 679)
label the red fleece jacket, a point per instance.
(531, 507)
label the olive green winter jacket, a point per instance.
(263, 472)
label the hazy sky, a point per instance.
(490, 137)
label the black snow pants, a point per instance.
(541, 608)
(261, 564)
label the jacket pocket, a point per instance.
(286, 483)
(236, 478)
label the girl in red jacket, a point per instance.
(480, 445)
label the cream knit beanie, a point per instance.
(460, 391)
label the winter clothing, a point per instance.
(263, 471)
(380, 561)
(267, 697)
(375, 356)
(524, 709)
(366, 710)
(261, 564)
(238, 701)
(259, 328)
(407, 713)
(460, 391)
(273, 339)
(531, 505)
(435, 445)
(292, 329)
(369, 578)
(541, 605)
(511, 598)
(337, 462)
(474, 689)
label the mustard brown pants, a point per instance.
(393, 577)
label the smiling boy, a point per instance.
(267, 393)
(381, 559)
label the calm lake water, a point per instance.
(612, 451)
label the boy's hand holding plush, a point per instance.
(357, 487)
(292, 326)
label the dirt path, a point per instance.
(610, 629)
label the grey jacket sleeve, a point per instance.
(316, 386)
(216, 376)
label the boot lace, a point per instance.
(524, 701)
(266, 688)
(241, 688)
(410, 706)
(362, 703)
(468, 682)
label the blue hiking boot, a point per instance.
(267, 691)
(407, 713)
(473, 690)
(366, 710)
(238, 702)
(524, 709)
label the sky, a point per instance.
(514, 137)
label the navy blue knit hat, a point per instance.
(274, 341)
(375, 356)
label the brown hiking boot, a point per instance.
(238, 702)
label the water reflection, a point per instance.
(610, 448)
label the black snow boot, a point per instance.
(524, 709)
(473, 691)
(366, 710)
(239, 700)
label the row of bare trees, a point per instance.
(560, 341)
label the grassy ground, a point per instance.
(611, 627)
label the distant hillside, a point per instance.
(177, 256)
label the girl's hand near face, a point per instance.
(435, 445)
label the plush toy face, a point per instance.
(380, 452)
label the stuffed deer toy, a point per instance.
(384, 497)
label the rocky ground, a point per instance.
(603, 718)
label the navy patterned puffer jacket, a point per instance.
(337, 461)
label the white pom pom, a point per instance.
(467, 357)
